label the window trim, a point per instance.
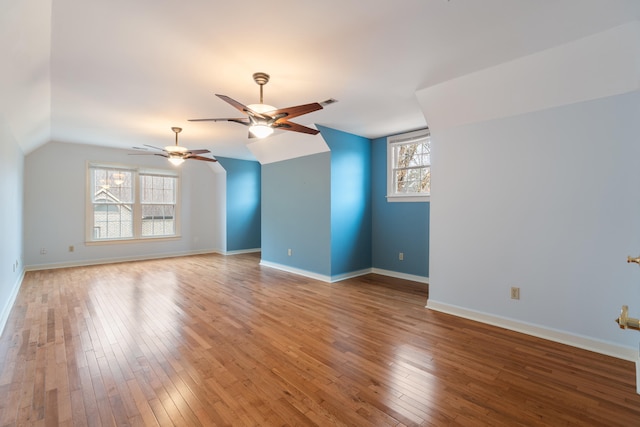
(392, 141)
(137, 204)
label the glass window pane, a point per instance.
(112, 197)
(158, 220)
(112, 221)
(411, 167)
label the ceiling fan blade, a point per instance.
(155, 148)
(203, 151)
(291, 112)
(243, 107)
(206, 159)
(294, 127)
(328, 102)
(243, 121)
(148, 154)
(238, 105)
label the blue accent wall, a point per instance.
(397, 226)
(243, 203)
(296, 213)
(350, 201)
(331, 210)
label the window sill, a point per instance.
(133, 240)
(411, 198)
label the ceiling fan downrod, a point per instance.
(177, 130)
(261, 79)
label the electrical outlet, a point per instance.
(289, 252)
(71, 248)
(515, 292)
(401, 256)
(43, 251)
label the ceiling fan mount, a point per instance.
(263, 119)
(261, 78)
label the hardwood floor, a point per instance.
(213, 340)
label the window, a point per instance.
(128, 203)
(409, 167)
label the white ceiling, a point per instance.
(122, 73)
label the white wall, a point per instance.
(11, 184)
(285, 145)
(54, 208)
(548, 202)
(25, 74)
(545, 198)
(25, 108)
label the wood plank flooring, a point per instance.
(214, 341)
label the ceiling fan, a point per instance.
(175, 153)
(263, 119)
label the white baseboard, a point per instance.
(579, 341)
(398, 275)
(243, 251)
(351, 274)
(82, 263)
(344, 276)
(6, 310)
(297, 271)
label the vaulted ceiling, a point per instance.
(122, 73)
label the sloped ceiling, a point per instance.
(121, 73)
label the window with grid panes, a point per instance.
(130, 203)
(409, 167)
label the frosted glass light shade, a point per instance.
(176, 161)
(261, 131)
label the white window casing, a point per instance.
(409, 167)
(126, 203)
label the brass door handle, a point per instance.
(636, 260)
(627, 322)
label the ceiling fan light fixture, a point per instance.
(118, 179)
(175, 159)
(261, 130)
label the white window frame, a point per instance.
(137, 203)
(394, 141)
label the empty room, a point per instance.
(223, 214)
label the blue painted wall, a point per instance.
(331, 210)
(350, 201)
(243, 203)
(296, 213)
(397, 227)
